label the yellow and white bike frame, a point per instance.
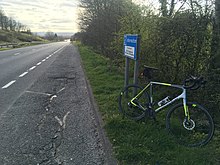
(181, 96)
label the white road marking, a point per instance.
(9, 84)
(58, 50)
(54, 96)
(59, 121)
(64, 119)
(40, 93)
(23, 74)
(32, 68)
(16, 54)
(38, 63)
(61, 90)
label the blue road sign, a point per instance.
(131, 45)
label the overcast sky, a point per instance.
(48, 15)
(43, 15)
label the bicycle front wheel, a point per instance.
(197, 131)
(125, 105)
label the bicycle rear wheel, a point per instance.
(197, 131)
(129, 110)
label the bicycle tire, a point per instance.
(198, 132)
(125, 107)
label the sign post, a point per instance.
(131, 51)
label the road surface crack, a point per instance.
(50, 150)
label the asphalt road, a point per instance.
(19, 68)
(47, 116)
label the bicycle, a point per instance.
(189, 122)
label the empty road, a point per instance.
(18, 69)
(47, 116)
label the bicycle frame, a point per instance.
(181, 96)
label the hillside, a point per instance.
(17, 37)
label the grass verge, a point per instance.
(1, 49)
(137, 142)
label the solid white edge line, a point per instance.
(32, 68)
(9, 84)
(23, 74)
(58, 50)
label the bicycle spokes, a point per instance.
(195, 131)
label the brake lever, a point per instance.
(199, 82)
(196, 82)
(193, 77)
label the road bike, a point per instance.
(189, 122)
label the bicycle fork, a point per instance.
(186, 109)
(188, 123)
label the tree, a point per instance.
(1, 19)
(8, 23)
(167, 7)
(99, 21)
(213, 73)
(216, 37)
(12, 24)
(5, 23)
(49, 35)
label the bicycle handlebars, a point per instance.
(194, 83)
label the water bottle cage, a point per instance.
(164, 101)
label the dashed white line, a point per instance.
(57, 50)
(9, 84)
(38, 63)
(32, 68)
(23, 74)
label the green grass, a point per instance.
(17, 37)
(145, 142)
(1, 49)
(22, 39)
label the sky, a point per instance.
(48, 15)
(44, 15)
(152, 3)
